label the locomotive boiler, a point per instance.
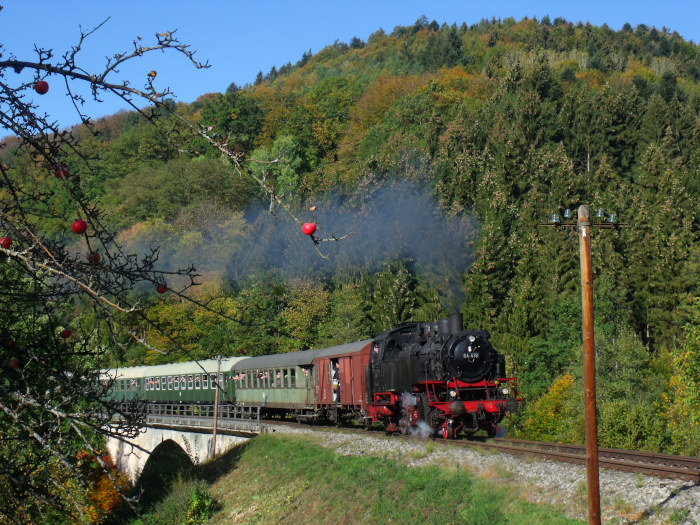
(449, 377)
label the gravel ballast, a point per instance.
(625, 497)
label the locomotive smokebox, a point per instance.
(456, 323)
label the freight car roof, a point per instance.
(300, 358)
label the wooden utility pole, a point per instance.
(216, 407)
(589, 367)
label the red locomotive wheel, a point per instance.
(447, 430)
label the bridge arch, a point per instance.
(132, 458)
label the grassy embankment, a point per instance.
(293, 480)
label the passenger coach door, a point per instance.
(309, 383)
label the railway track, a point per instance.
(652, 464)
(649, 463)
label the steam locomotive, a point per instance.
(417, 377)
(439, 373)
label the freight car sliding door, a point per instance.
(352, 370)
(346, 394)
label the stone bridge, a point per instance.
(194, 438)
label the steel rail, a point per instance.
(659, 465)
(649, 463)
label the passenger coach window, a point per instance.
(197, 382)
(190, 383)
(157, 383)
(176, 382)
(183, 384)
(205, 382)
(212, 380)
(293, 377)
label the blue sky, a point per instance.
(241, 38)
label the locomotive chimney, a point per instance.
(444, 327)
(456, 323)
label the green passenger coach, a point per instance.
(190, 382)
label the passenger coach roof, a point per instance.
(189, 367)
(300, 358)
(192, 367)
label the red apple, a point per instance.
(308, 228)
(13, 363)
(66, 334)
(162, 288)
(41, 87)
(79, 226)
(5, 242)
(61, 172)
(94, 257)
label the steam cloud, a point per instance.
(394, 221)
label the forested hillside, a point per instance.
(442, 148)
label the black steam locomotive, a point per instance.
(439, 373)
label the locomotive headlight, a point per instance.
(505, 391)
(472, 338)
(453, 393)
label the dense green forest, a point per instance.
(442, 148)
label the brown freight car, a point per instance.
(340, 381)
